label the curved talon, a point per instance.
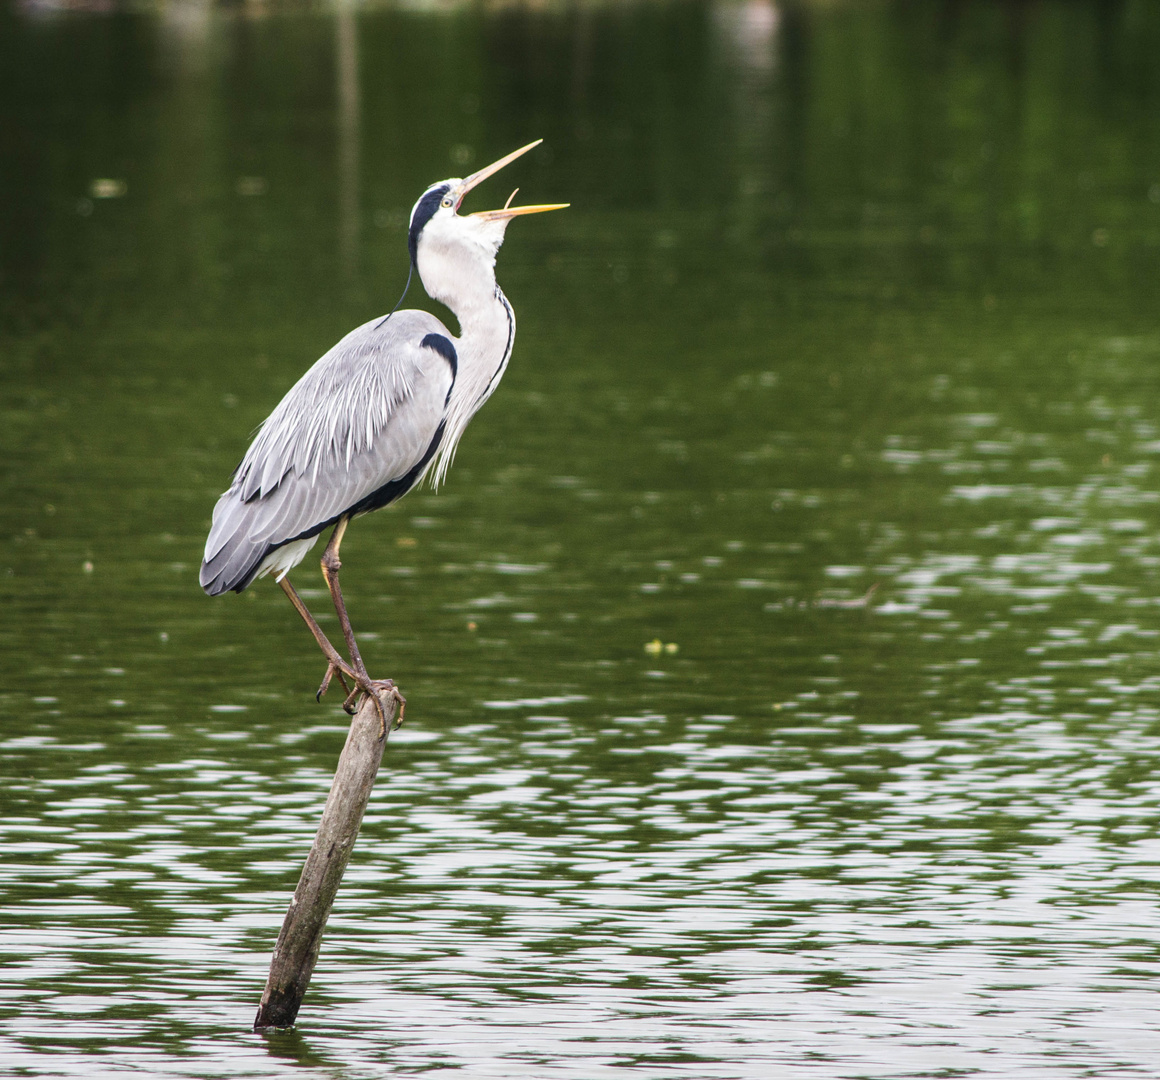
(379, 708)
(371, 687)
(331, 671)
(389, 684)
(397, 695)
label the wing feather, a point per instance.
(363, 416)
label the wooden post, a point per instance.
(296, 950)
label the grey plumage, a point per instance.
(363, 416)
(384, 408)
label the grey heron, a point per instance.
(381, 411)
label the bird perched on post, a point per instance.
(382, 410)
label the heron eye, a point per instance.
(448, 201)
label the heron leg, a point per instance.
(336, 665)
(331, 564)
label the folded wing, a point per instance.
(357, 431)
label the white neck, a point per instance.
(463, 278)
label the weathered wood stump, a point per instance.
(296, 950)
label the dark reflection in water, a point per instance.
(782, 652)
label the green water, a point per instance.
(838, 381)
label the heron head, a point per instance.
(436, 224)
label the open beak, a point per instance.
(507, 212)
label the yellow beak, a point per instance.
(507, 212)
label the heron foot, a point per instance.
(372, 688)
(331, 671)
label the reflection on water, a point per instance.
(349, 135)
(782, 653)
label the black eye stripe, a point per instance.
(424, 210)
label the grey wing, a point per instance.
(358, 430)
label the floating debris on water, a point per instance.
(105, 188)
(857, 602)
(251, 185)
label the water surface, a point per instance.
(782, 651)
